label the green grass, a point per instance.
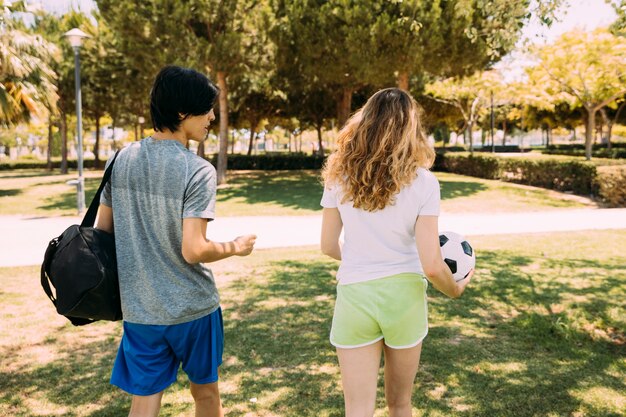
(539, 332)
(276, 193)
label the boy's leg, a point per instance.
(359, 377)
(145, 406)
(207, 398)
(400, 370)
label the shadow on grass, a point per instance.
(278, 335)
(76, 379)
(456, 189)
(294, 189)
(504, 349)
(67, 200)
(529, 358)
(17, 174)
(10, 193)
(492, 362)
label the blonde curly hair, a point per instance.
(379, 151)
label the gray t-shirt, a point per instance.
(155, 185)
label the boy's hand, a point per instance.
(244, 245)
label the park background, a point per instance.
(525, 125)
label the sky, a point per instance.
(581, 14)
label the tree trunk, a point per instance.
(548, 135)
(589, 131)
(609, 127)
(504, 133)
(63, 143)
(223, 143)
(471, 139)
(49, 153)
(232, 142)
(345, 105)
(136, 132)
(619, 111)
(96, 146)
(200, 151)
(403, 80)
(289, 134)
(320, 148)
(253, 127)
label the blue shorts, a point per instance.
(149, 355)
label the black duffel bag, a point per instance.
(81, 265)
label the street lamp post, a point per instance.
(75, 38)
(141, 121)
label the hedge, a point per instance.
(618, 150)
(610, 185)
(614, 153)
(582, 178)
(71, 164)
(573, 176)
(272, 161)
(482, 166)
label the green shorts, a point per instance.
(393, 308)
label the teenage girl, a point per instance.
(379, 189)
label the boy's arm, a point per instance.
(331, 230)
(105, 218)
(196, 248)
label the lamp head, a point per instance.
(75, 37)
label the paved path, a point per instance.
(23, 240)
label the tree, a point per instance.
(447, 38)
(587, 68)
(26, 78)
(334, 60)
(467, 94)
(145, 36)
(223, 32)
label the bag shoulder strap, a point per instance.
(90, 217)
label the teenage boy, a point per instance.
(158, 203)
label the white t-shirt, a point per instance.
(382, 243)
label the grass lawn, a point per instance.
(276, 193)
(540, 332)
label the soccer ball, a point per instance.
(458, 254)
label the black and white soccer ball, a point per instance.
(458, 254)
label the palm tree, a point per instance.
(26, 79)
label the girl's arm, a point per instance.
(435, 269)
(331, 229)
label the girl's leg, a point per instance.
(400, 370)
(359, 376)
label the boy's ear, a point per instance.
(182, 117)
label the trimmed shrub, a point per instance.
(610, 185)
(71, 164)
(618, 150)
(272, 161)
(482, 166)
(574, 176)
(502, 149)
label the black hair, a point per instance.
(179, 91)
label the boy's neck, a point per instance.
(167, 134)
